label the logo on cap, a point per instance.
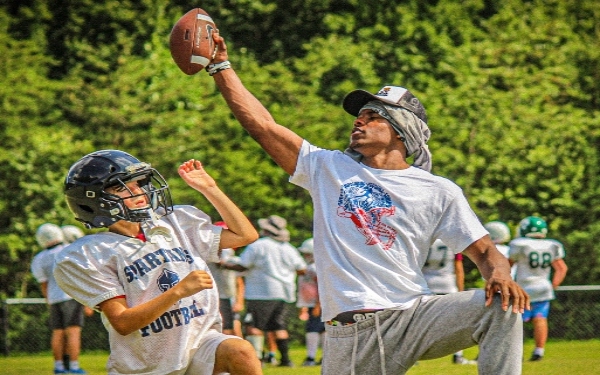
(392, 93)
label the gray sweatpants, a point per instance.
(394, 340)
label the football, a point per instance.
(191, 41)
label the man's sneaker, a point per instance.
(460, 360)
(309, 362)
(286, 364)
(78, 371)
(536, 357)
(56, 371)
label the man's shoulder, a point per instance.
(442, 180)
(316, 151)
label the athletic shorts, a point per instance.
(538, 310)
(269, 315)
(314, 323)
(203, 361)
(66, 314)
(226, 313)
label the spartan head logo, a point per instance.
(167, 280)
(366, 204)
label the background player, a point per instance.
(148, 273)
(535, 256)
(66, 314)
(444, 273)
(308, 302)
(500, 235)
(72, 233)
(271, 265)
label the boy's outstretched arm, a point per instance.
(282, 144)
(240, 230)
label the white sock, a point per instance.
(74, 365)
(257, 342)
(539, 351)
(59, 365)
(459, 353)
(312, 344)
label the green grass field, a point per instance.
(562, 358)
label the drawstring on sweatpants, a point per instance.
(379, 342)
(354, 348)
(381, 346)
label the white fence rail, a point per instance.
(574, 315)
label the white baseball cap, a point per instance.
(393, 95)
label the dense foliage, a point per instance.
(511, 88)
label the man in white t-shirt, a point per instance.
(271, 265)
(375, 217)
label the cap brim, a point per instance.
(356, 99)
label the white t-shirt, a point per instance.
(533, 259)
(272, 267)
(42, 267)
(373, 228)
(106, 265)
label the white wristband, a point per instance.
(213, 69)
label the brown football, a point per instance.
(191, 42)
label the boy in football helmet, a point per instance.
(148, 273)
(535, 256)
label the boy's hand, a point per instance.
(194, 282)
(195, 176)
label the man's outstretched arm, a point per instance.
(282, 144)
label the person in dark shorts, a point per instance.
(66, 314)
(271, 264)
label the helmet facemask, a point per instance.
(155, 190)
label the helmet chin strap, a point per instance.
(153, 230)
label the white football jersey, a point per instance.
(533, 259)
(439, 269)
(42, 267)
(107, 265)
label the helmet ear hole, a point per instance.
(86, 208)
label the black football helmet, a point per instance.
(88, 179)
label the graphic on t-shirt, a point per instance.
(167, 280)
(366, 204)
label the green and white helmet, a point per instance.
(533, 226)
(499, 231)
